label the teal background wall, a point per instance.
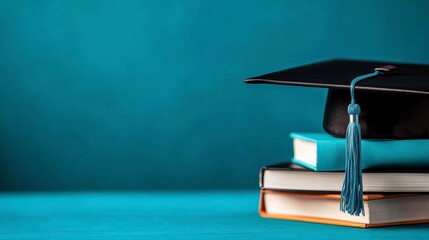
(149, 94)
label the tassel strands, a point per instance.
(352, 192)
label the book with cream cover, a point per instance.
(291, 177)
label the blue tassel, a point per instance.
(351, 200)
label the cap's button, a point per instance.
(386, 68)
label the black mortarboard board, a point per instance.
(394, 105)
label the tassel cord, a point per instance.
(358, 79)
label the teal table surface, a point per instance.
(164, 215)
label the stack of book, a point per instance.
(308, 188)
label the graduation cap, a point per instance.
(366, 99)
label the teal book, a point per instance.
(323, 152)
